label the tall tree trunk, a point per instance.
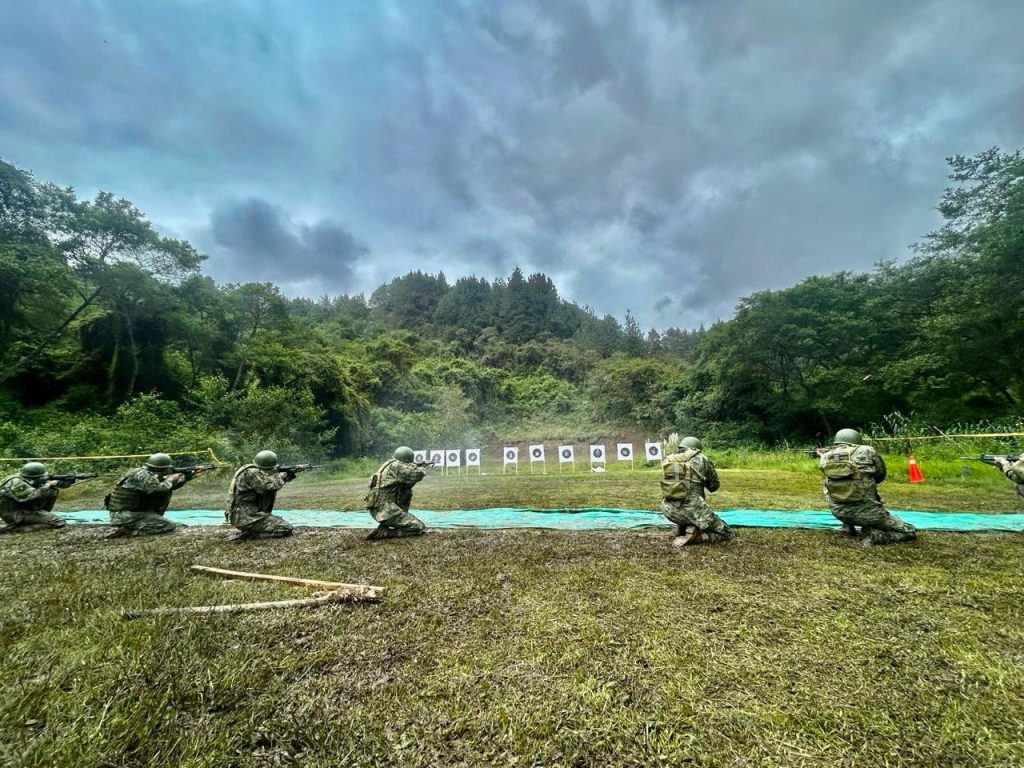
(134, 348)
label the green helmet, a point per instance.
(403, 453)
(851, 436)
(159, 461)
(34, 470)
(265, 460)
(690, 442)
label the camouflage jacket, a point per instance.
(142, 490)
(1016, 470)
(393, 482)
(253, 493)
(868, 470)
(688, 473)
(17, 493)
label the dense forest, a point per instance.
(112, 340)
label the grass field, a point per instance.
(524, 647)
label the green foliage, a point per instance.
(97, 308)
(539, 395)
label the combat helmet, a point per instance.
(691, 442)
(34, 470)
(265, 460)
(849, 436)
(404, 453)
(159, 461)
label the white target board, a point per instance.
(624, 451)
(536, 453)
(510, 455)
(472, 457)
(419, 456)
(437, 457)
(598, 454)
(566, 454)
(652, 451)
(453, 458)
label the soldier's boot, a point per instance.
(687, 537)
(875, 537)
(379, 533)
(847, 529)
(120, 533)
(237, 535)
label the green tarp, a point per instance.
(590, 518)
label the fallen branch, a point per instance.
(370, 591)
(337, 596)
(339, 593)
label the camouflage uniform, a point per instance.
(686, 475)
(139, 500)
(25, 507)
(854, 501)
(251, 501)
(1015, 472)
(389, 499)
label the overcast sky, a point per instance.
(663, 157)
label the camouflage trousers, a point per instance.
(876, 521)
(266, 527)
(141, 523)
(697, 512)
(23, 521)
(394, 522)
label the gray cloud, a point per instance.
(663, 156)
(258, 241)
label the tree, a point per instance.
(92, 238)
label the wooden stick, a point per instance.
(337, 596)
(371, 592)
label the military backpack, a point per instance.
(842, 476)
(677, 475)
(371, 497)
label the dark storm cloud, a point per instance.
(259, 242)
(663, 156)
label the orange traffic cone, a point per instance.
(914, 470)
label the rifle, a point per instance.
(190, 472)
(992, 459)
(815, 453)
(294, 469)
(66, 481)
(430, 463)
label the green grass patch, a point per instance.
(525, 647)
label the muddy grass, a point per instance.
(517, 648)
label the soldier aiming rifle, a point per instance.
(390, 495)
(27, 498)
(253, 493)
(1010, 465)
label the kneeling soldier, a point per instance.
(852, 472)
(253, 491)
(390, 496)
(1014, 471)
(686, 474)
(26, 499)
(140, 497)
